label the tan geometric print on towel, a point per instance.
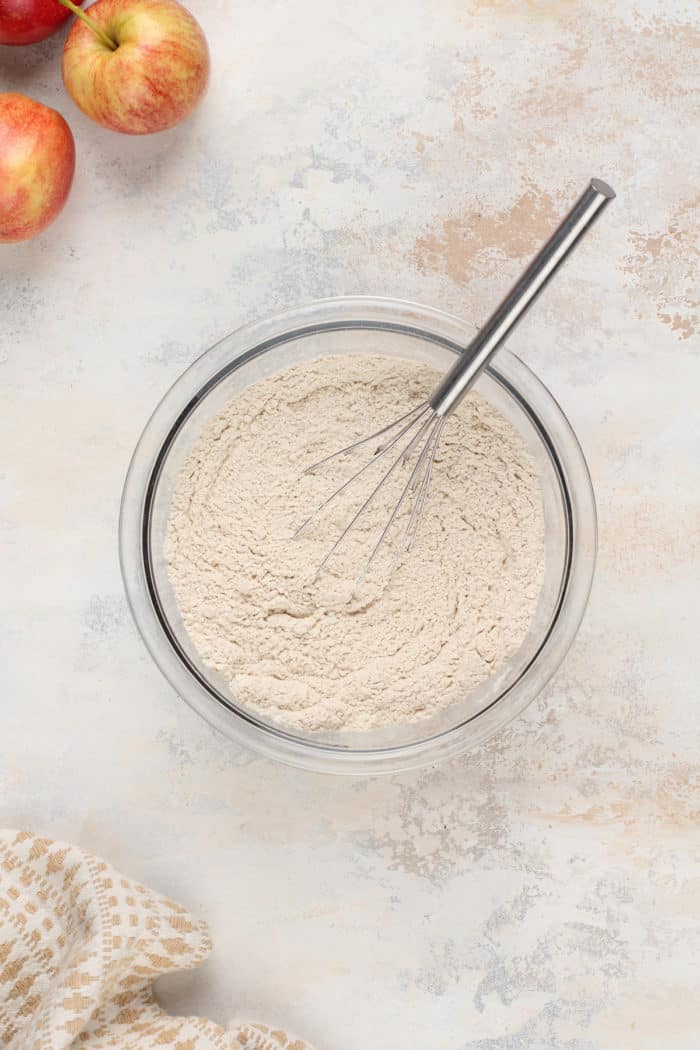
(79, 949)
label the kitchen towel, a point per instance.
(79, 949)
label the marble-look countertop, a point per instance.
(543, 891)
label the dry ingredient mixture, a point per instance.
(316, 656)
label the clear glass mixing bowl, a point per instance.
(346, 326)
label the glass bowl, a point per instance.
(397, 329)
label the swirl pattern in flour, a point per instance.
(315, 656)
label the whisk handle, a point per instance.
(491, 337)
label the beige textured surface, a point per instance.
(332, 653)
(542, 893)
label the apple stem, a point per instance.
(102, 34)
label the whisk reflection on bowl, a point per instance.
(426, 421)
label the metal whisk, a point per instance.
(400, 440)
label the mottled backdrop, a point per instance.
(544, 891)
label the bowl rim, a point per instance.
(238, 348)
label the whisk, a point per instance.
(416, 435)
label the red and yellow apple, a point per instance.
(136, 66)
(26, 21)
(37, 161)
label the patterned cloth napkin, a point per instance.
(79, 948)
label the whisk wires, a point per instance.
(420, 423)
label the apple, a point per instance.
(26, 21)
(135, 66)
(37, 161)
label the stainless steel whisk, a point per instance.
(426, 421)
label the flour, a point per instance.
(311, 655)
